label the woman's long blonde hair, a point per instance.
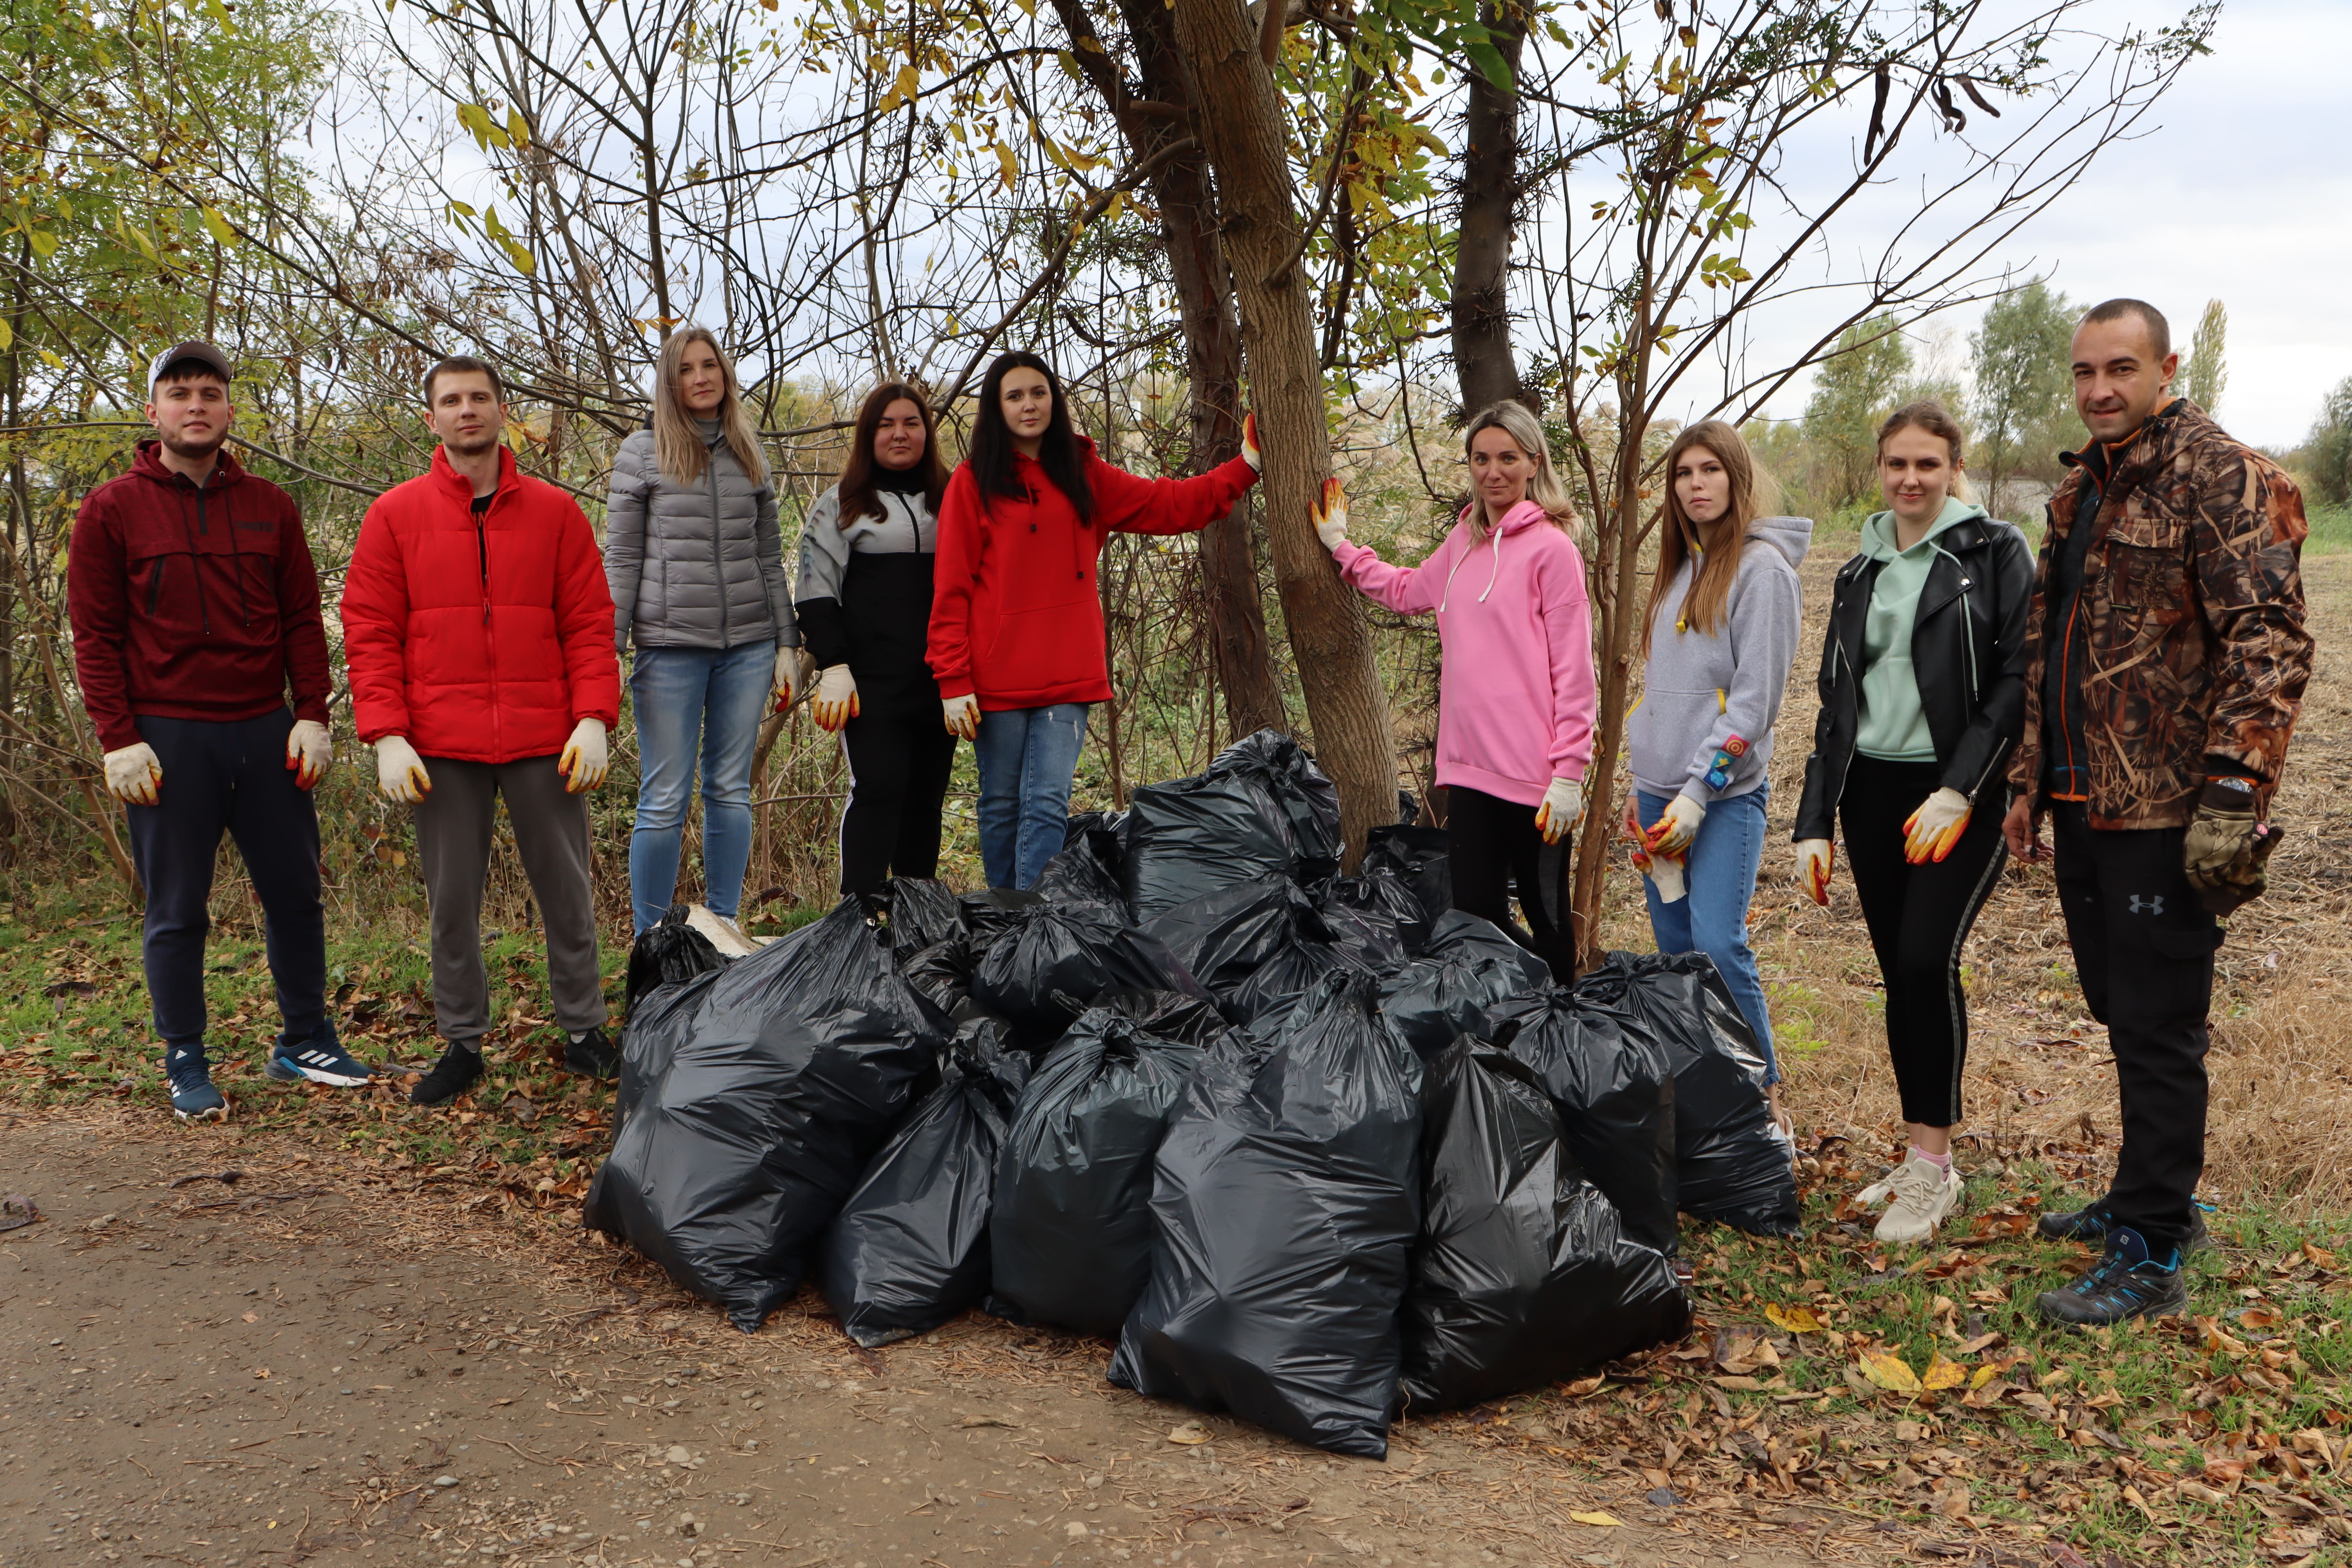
(677, 442)
(1517, 421)
(1717, 544)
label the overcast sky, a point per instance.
(2243, 193)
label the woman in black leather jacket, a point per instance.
(1922, 694)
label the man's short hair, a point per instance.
(465, 364)
(190, 361)
(2159, 330)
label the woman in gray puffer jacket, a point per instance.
(696, 566)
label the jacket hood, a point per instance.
(149, 465)
(1878, 528)
(1792, 536)
(1522, 516)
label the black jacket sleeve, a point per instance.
(1816, 812)
(1976, 764)
(821, 632)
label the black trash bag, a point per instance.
(1523, 1276)
(757, 1107)
(989, 915)
(1080, 874)
(1071, 1240)
(1171, 1015)
(1368, 920)
(1285, 1206)
(669, 952)
(1257, 946)
(942, 973)
(923, 913)
(1309, 801)
(1261, 808)
(1608, 1078)
(650, 1038)
(909, 1249)
(1042, 973)
(1417, 857)
(1470, 973)
(1103, 826)
(1732, 1162)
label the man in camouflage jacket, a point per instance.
(2166, 660)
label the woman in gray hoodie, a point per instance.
(1722, 625)
(696, 570)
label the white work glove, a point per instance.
(793, 670)
(308, 752)
(1930, 833)
(1665, 871)
(1562, 809)
(963, 715)
(1815, 858)
(1250, 452)
(133, 773)
(1330, 515)
(835, 702)
(584, 758)
(1671, 833)
(400, 772)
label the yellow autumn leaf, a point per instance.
(1888, 1370)
(1796, 1320)
(218, 225)
(1984, 1375)
(1596, 1519)
(1942, 1373)
(1011, 164)
(7, 333)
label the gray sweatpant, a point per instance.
(453, 841)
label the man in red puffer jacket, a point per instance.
(478, 634)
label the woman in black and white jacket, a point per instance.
(864, 602)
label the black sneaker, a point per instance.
(320, 1058)
(452, 1076)
(2092, 1222)
(2125, 1283)
(592, 1056)
(193, 1098)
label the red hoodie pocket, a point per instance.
(1036, 650)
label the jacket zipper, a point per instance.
(490, 639)
(718, 539)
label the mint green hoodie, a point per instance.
(1893, 726)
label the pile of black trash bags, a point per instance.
(1312, 1148)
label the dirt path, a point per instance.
(307, 1366)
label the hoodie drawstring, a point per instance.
(1493, 576)
(195, 564)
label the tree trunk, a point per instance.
(1247, 139)
(1212, 350)
(1484, 363)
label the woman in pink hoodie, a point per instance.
(1515, 691)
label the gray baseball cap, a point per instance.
(195, 349)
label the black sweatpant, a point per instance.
(1918, 918)
(227, 778)
(2144, 949)
(1494, 846)
(899, 762)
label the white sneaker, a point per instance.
(1922, 1194)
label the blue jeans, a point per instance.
(689, 699)
(1027, 757)
(1720, 871)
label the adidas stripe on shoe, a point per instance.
(319, 1059)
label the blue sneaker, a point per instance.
(319, 1059)
(2125, 1283)
(193, 1098)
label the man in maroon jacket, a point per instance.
(194, 606)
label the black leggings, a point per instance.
(1918, 917)
(899, 762)
(1493, 845)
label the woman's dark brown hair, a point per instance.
(857, 490)
(1716, 545)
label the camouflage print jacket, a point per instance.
(2192, 599)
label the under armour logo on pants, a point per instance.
(2155, 905)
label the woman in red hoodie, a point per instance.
(1016, 637)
